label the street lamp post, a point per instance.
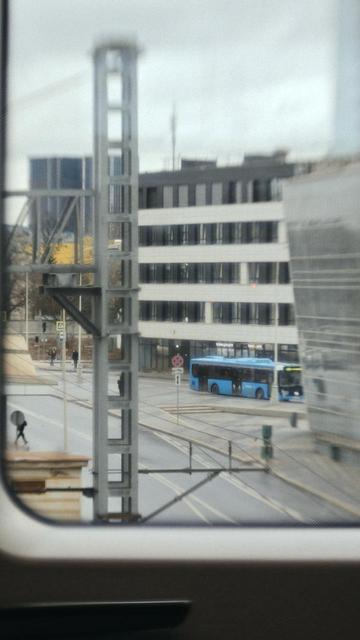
(65, 412)
(27, 309)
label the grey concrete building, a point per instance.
(322, 214)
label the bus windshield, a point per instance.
(290, 383)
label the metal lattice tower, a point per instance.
(115, 313)
(111, 280)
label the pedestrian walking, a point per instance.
(20, 432)
(52, 355)
(75, 358)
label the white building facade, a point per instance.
(215, 281)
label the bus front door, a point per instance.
(203, 383)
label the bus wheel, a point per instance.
(214, 388)
(259, 394)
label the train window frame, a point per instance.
(28, 537)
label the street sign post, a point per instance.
(177, 362)
(60, 326)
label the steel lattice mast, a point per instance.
(115, 311)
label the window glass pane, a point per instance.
(168, 196)
(242, 76)
(200, 195)
(183, 195)
(216, 193)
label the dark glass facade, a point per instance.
(211, 233)
(155, 353)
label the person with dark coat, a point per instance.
(75, 358)
(52, 354)
(20, 432)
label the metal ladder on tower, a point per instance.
(116, 310)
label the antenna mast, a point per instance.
(173, 122)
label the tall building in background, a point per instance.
(61, 173)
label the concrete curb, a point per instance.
(271, 412)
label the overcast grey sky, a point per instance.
(245, 75)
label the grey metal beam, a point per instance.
(73, 291)
(54, 268)
(180, 497)
(20, 221)
(114, 203)
(58, 229)
(74, 312)
(47, 193)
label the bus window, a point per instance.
(195, 370)
(247, 375)
(261, 375)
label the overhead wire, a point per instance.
(48, 91)
(203, 421)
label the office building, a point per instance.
(213, 256)
(322, 212)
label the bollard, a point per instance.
(190, 455)
(294, 420)
(335, 453)
(266, 449)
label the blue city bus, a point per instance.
(245, 377)
(289, 381)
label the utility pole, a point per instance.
(173, 123)
(274, 390)
(27, 309)
(79, 338)
(63, 358)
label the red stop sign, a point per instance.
(177, 360)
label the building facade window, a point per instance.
(288, 353)
(183, 195)
(286, 314)
(164, 311)
(200, 195)
(284, 273)
(244, 313)
(200, 273)
(151, 198)
(209, 233)
(261, 190)
(262, 272)
(168, 196)
(216, 193)
(239, 197)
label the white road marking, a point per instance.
(55, 423)
(161, 479)
(277, 506)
